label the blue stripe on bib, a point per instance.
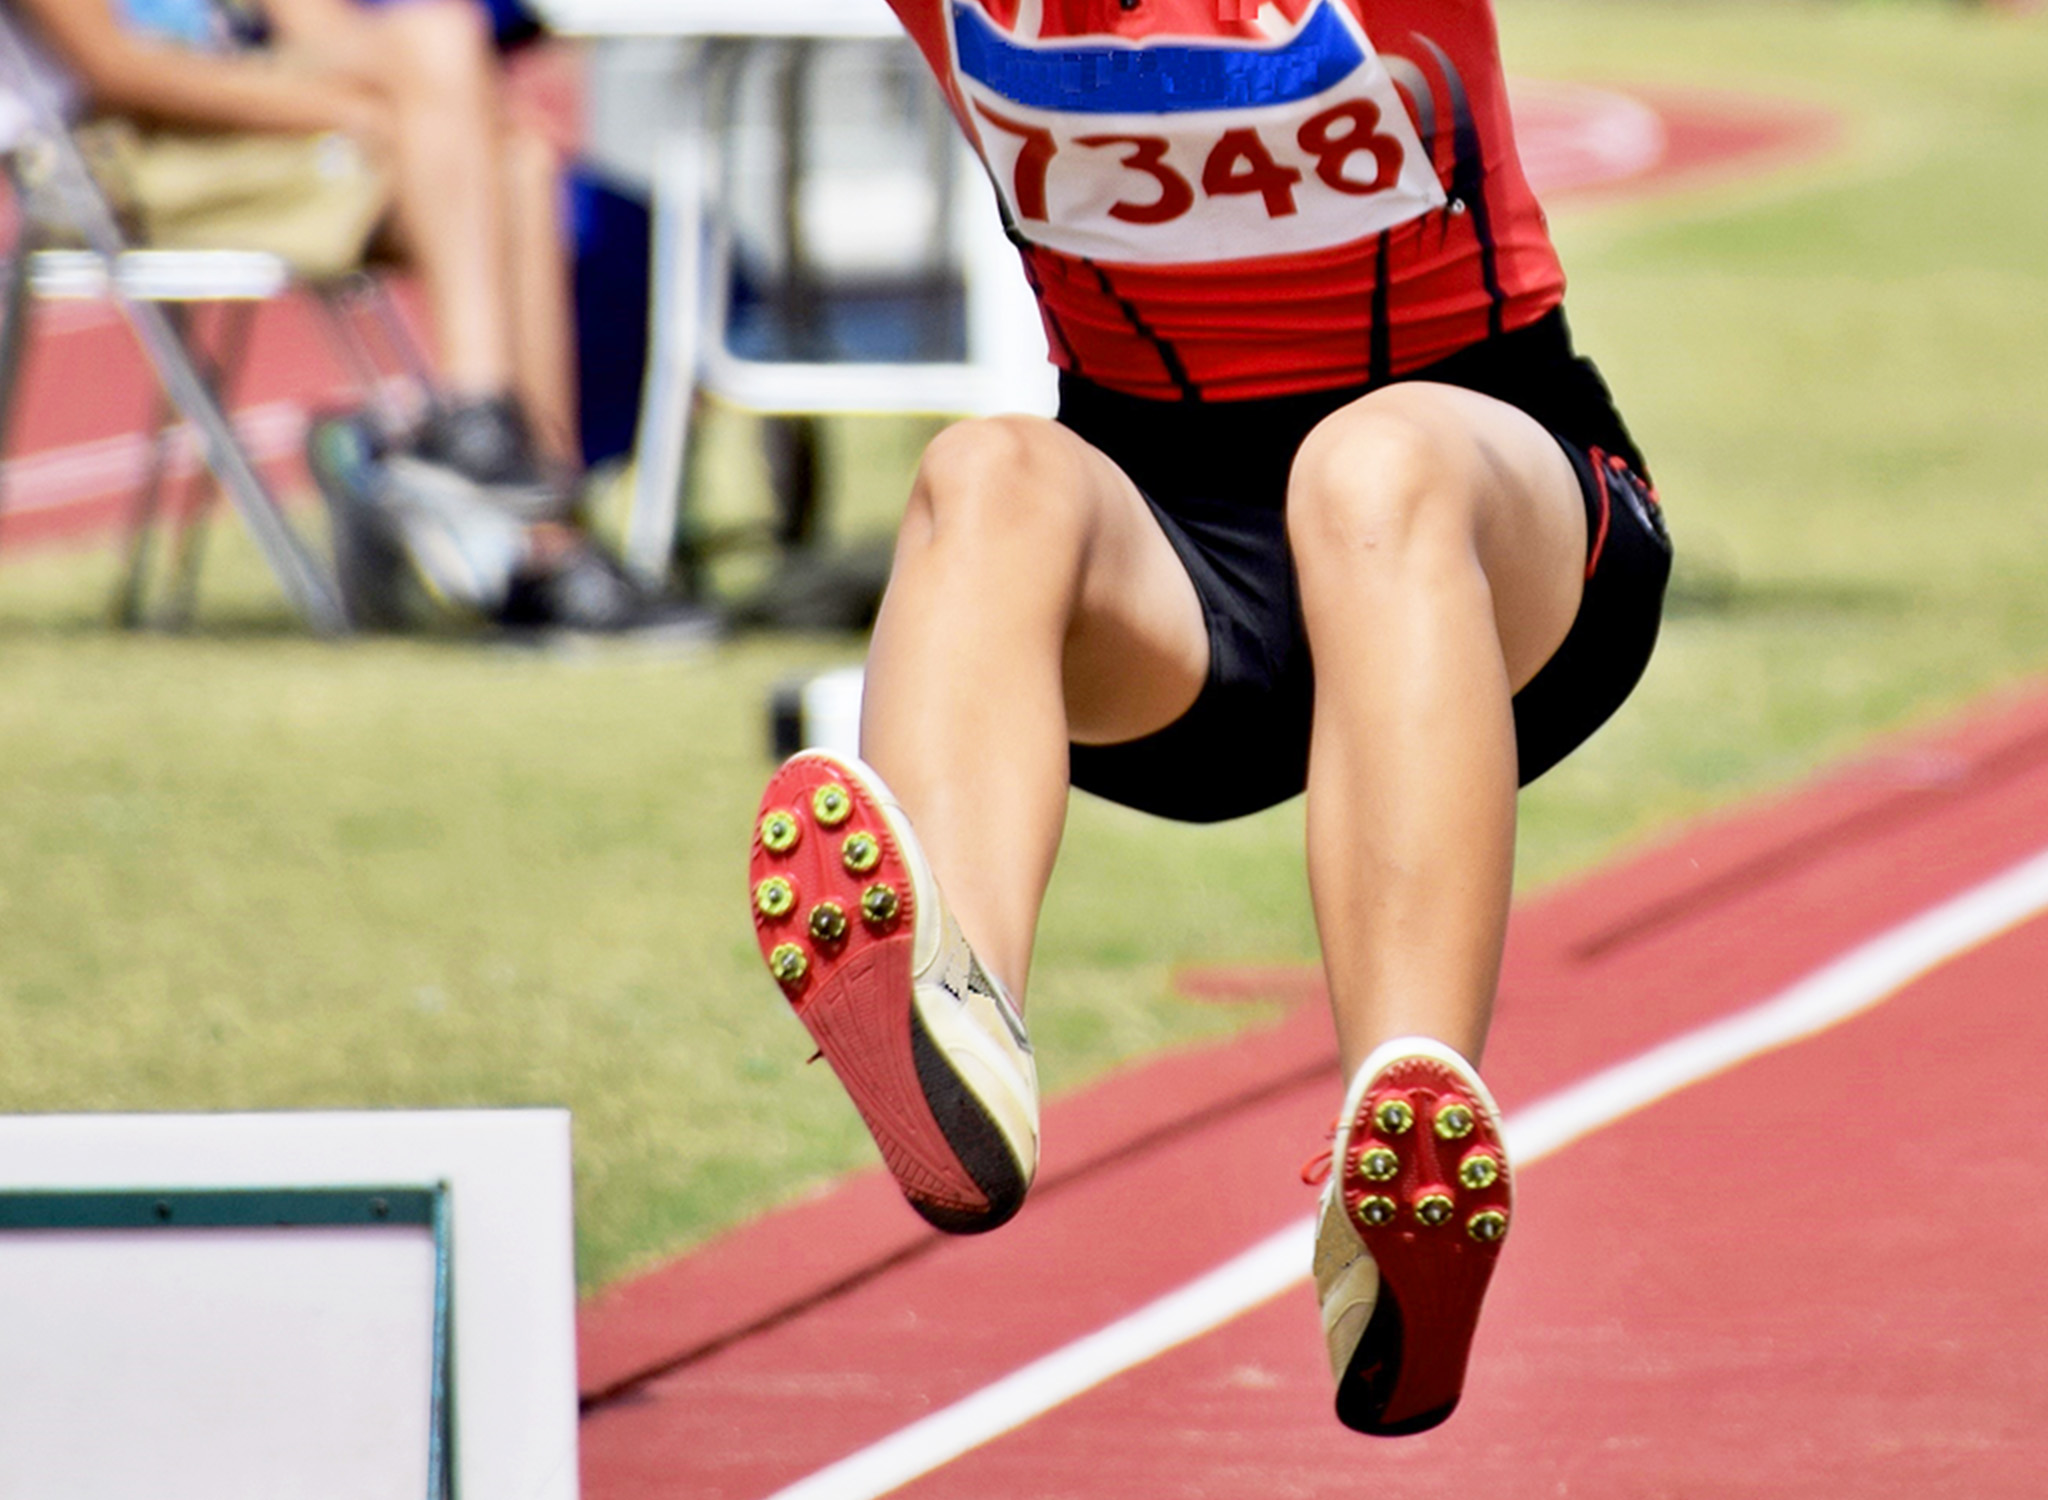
(1163, 79)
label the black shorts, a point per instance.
(1215, 473)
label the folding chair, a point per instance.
(749, 306)
(153, 289)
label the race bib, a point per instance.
(1194, 151)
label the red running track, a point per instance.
(1816, 1273)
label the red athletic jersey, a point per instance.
(1225, 208)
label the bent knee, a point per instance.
(1382, 477)
(1007, 472)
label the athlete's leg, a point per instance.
(1440, 540)
(1034, 599)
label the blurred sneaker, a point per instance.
(465, 547)
(400, 524)
(486, 443)
(1412, 1219)
(573, 584)
(926, 1041)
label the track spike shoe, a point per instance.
(926, 1041)
(1405, 1247)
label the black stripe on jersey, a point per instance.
(1175, 370)
(1468, 185)
(1024, 249)
(1045, 312)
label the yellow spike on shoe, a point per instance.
(787, 963)
(1487, 1226)
(1376, 1210)
(1393, 1116)
(828, 921)
(831, 804)
(879, 905)
(1454, 1121)
(1434, 1209)
(1379, 1164)
(1479, 1170)
(780, 831)
(860, 853)
(774, 897)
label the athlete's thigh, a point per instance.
(1049, 534)
(1486, 466)
(1137, 650)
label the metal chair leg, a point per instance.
(398, 335)
(238, 320)
(17, 304)
(126, 609)
(303, 581)
(218, 368)
(347, 304)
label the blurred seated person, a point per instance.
(320, 130)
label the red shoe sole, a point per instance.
(834, 911)
(1431, 1199)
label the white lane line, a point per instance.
(1856, 982)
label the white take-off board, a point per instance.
(271, 1306)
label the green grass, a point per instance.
(1838, 378)
(241, 869)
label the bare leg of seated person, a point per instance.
(478, 209)
(473, 215)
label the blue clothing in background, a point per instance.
(193, 22)
(512, 21)
(612, 227)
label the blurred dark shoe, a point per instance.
(584, 589)
(410, 531)
(487, 442)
